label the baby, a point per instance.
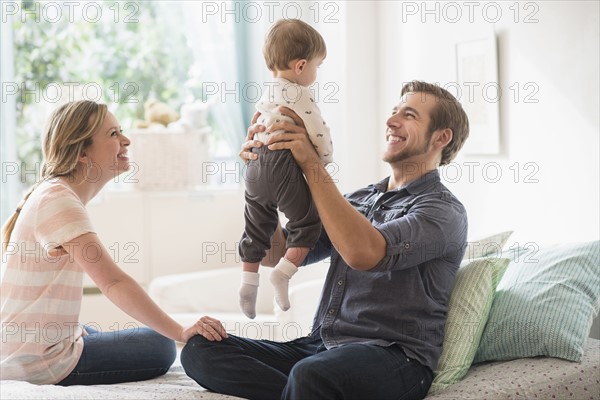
(293, 51)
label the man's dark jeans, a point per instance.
(304, 369)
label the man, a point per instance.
(395, 247)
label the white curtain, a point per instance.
(216, 48)
(10, 185)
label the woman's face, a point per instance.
(107, 155)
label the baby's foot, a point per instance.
(280, 278)
(248, 291)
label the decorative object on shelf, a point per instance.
(170, 153)
(157, 114)
(195, 115)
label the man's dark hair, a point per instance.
(448, 113)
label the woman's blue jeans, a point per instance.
(304, 369)
(121, 356)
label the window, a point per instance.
(124, 52)
(121, 53)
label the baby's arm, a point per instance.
(318, 131)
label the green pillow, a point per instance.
(487, 246)
(470, 302)
(545, 304)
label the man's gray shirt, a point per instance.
(403, 300)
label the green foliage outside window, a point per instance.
(132, 51)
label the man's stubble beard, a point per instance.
(408, 153)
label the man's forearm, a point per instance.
(356, 240)
(353, 236)
(277, 249)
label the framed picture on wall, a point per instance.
(477, 69)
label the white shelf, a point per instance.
(151, 234)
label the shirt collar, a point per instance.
(283, 81)
(415, 187)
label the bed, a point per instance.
(175, 384)
(517, 327)
(530, 378)
(524, 378)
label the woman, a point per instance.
(49, 243)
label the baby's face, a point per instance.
(309, 73)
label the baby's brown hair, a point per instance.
(292, 39)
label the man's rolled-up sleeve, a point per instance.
(435, 227)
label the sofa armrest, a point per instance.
(216, 291)
(212, 291)
(195, 291)
(304, 299)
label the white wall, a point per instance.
(151, 234)
(375, 46)
(372, 48)
(554, 141)
(346, 87)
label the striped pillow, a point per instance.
(468, 309)
(545, 304)
(490, 246)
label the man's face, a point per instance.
(407, 135)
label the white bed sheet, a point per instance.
(528, 378)
(175, 384)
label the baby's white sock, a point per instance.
(280, 278)
(248, 291)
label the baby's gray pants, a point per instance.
(275, 181)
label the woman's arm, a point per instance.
(87, 251)
(354, 237)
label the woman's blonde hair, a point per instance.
(68, 132)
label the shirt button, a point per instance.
(407, 246)
(340, 282)
(331, 311)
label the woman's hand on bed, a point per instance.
(212, 329)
